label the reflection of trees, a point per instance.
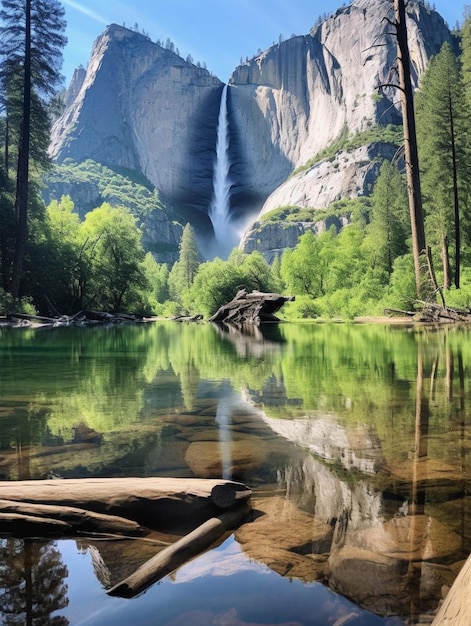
(108, 379)
(417, 505)
(401, 546)
(32, 584)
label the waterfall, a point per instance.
(224, 233)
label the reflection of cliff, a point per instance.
(391, 555)
(341, 532)
(354, 447)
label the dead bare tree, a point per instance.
(410, 143)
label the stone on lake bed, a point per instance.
(287, 539)
(206, 458)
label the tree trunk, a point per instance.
(446, 263)
(155, 502)
(175, 555)
(410, 143)
(22, 177)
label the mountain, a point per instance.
(307, 119)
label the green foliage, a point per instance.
(216, 283)
(460, 298)
(116, 186)
(346, 208)
(276, 278)
(32, 35)
(112, 246)
(466, 57)
(443, 138)
(346, 141)
(47, 40)
(184, 270)
(402, 293)
(7, 227)
(57, 259)
(9, 305)
(256, 273)
(304, 270)
(157, 276)
(303, 307)
(390, 225)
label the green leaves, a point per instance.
(443, 137)
(99, 263)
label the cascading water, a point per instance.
(224, 233)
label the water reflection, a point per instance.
(32, 584)
(354, 439)
(223, 419)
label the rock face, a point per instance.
(142, 107)
(298, 97)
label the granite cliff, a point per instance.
(141, 107)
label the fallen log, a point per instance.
(176, 504)
(172, 557)
(251, 308)
(82, 318)
(24, 519)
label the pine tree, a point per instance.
(389, 220)
(466, 54)
(442, 127)
(32, 40)
(184, 270)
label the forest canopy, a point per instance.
(355, 257)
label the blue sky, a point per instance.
(215, 32)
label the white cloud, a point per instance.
(85, 11)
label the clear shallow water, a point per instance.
(355, 440)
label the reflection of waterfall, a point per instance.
(224, 233)
(223, 418)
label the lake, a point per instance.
(354, 438)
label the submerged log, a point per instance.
(251, 308)
(172, 557)
(158, 503)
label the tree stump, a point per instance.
(251, 308)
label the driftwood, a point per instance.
(116, 507)
(434, 313)
(23, 519)
(251, 308)
(158, 503)
(170, 558)
(83, 318)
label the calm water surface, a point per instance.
(354, 439)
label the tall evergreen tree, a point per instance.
(32, 39)
(466, 53)
(389, 227)
(184, 270)
(442, 128)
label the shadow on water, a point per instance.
(354, 440)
